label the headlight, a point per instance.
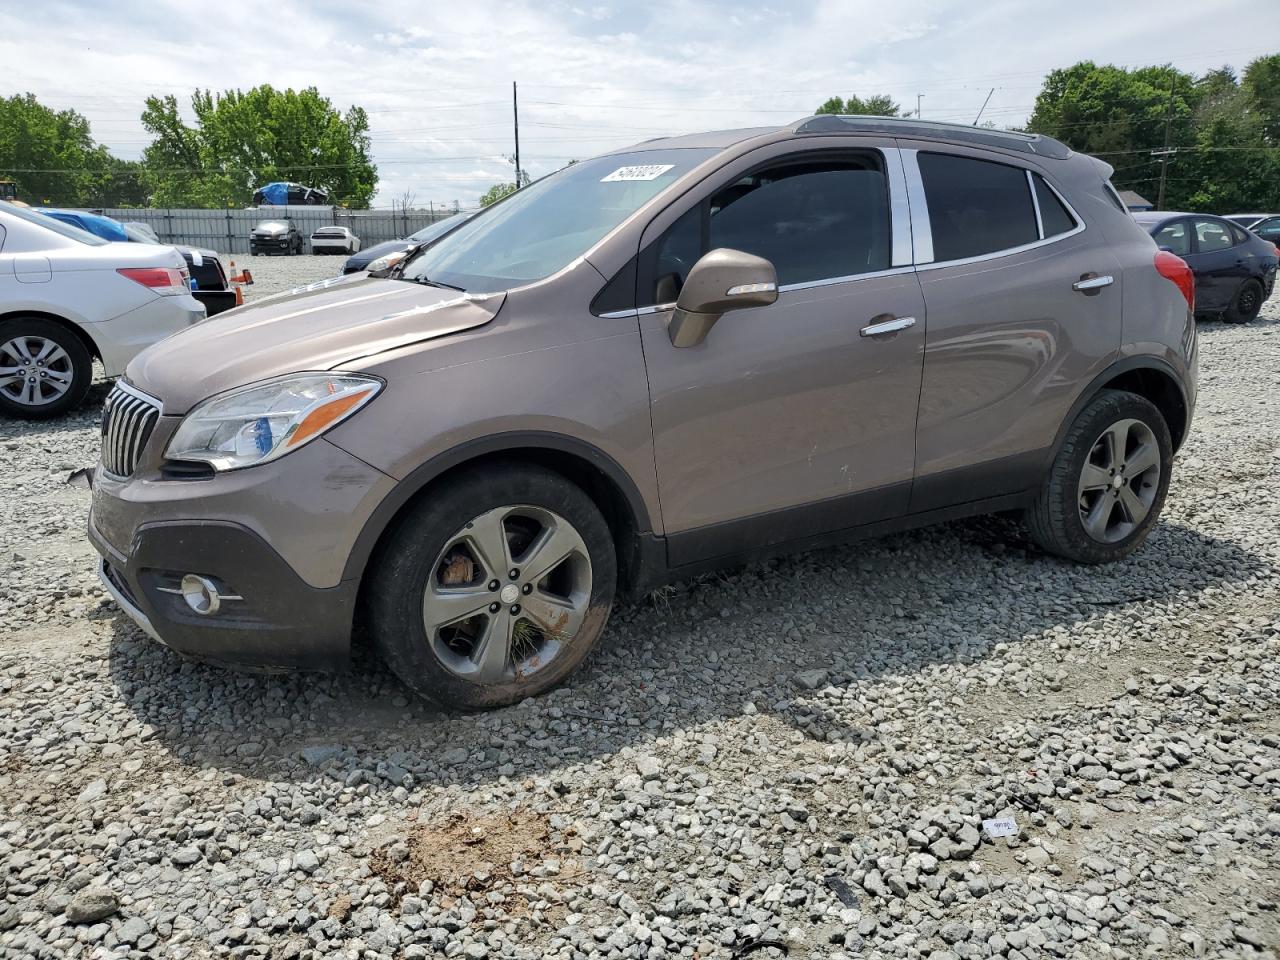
(386, 261)
(265, 421)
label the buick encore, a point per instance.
(670, 358)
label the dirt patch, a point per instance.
(470, 854)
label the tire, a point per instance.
(54, 355)
(436, 547)
(1246, 304)
(1085, 516)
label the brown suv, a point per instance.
(673, 357)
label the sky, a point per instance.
(436, 78)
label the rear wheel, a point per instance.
(45, 369)
(484, 611)
(1107, 485)
(1246, 303)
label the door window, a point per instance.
(813, 220)
(976, 207)
(1174, 237)
(1212, 236)
(1269, 229)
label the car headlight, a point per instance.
(386, 261)
(264, 421)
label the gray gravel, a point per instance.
(802, 751)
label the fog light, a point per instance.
(201, 595)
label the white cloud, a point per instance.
(436, 79)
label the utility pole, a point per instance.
(984, 106)
(1168, 151)
(919, 97)
(515, 117)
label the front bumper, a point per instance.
(271, 619)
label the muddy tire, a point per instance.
(492, 588)
(1107, 485)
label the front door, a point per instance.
(792, 420)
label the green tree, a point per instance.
(50, 154)
(496, 193)
(242, 140)
(877, 106)
(1261, 87)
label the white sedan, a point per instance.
(335, 240)
(67, 297)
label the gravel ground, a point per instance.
(801, 752)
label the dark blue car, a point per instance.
(1235, 270)
(433, 231)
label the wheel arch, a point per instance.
(1148, 377)
(598, 474)
(71, 325)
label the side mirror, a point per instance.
(721, 281)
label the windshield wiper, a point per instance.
(426, 281)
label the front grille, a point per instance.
(128, 418)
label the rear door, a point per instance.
(1219, 262)
(794, 419)
(1024, 305)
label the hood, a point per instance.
(270, 229)
(318, 327)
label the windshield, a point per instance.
(49, 223)
(543, 227)
(433, 230)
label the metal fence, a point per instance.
(227, 231)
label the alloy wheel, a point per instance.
(506, 594)
(1119, 481)
(34, 371)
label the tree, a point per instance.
(877, 106)
(50, 154)
(496, 193)
(1261, 87)
(243, 140)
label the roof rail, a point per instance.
(1034, 143)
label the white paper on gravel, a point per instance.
(1000, 827)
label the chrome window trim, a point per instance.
(122, 384)
(850, 278)
(901, 253)
(1035, 203)
(921, 229)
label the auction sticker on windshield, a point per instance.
(645, 171)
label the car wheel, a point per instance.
(45, 369)
(494, 588)
(1246, 304)
(1107, 484)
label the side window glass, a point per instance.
(1212, 236)
(1114, 196)
(812, 221)
(975, 206)
(1238, 235)
(1055, 217)
(1175, 237)
(675, 252)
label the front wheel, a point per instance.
(1107, 485)
(1246, 304)
(494, 588)
(45, 368)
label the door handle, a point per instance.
(892, 325)
(1092, 284)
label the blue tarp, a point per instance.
(99, 226)
(275, 193)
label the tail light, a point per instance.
(166, 281)
(1173, 268)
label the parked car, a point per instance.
(334, 240)
(1235, 270)
(275, 236)
(666, 359)
(432, 231)
(68, 297)
(1268, 228)
(1246, 220)
(289, 194)
(209, 283)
